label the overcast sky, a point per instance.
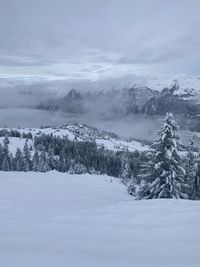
(99, 38)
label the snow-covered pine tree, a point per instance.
(165, 176)
(6, 140)
(71, 170)
(12, 162)
(71, 167)
(190, 167)
(196, 179)
(6, 159)
(143, 175)
(92, 171)
(27, 157)
(1, 156)
(125, 168)
(19, 160)
(35, 161)
(43, 164)
(132, 186)
(79, 168)
(51, 158)
(6, 164)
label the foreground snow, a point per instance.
(56, 219)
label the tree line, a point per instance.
(47, 152)
(164, 171)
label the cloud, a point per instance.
(149, 35)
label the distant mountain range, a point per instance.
(133, 100)
(109, 99)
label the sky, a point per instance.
(97, 39)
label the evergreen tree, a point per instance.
(190, 167)
(12, 162)
(92, 171)
(6, 158)
(1, 156)
(5, 148)
(62, 161)
(125, 168)
(27, 157)
(142, 177)
(132, 186)
(43, 164)
(165, 174)
(71, 167)
(51, 159)
(35, 162)
(19, 160)
(71, 170)
(79, 168)
(6, 164)
(6, 140)
(196, 179)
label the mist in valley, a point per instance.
(141, 127)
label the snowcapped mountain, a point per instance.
(118, 98)
(74, 131)
(137, 99)
(186, 83)
(173, 99)
(121, 95)
(106, 103)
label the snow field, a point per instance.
(56, 219)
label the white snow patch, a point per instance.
(16, 142)
(57, 219)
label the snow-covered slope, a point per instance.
(186, 82)
(57, 219)
(79, 132)
(15, 142)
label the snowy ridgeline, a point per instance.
(73, 148)
(56, 219)
(79, 132)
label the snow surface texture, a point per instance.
(55, 219)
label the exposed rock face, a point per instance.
(169, 101)
(72, 102)
(137, 99)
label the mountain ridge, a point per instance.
(133, 100)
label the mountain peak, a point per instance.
(174, 85)
(73, 94)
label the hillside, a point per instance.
(56, 219)
(75, 131)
